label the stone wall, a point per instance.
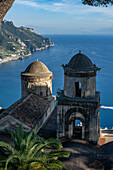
(88, 86)
(86, 110)
(42, 86)
(5, 5)
(87, 80)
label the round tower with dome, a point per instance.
(80, 74)
(78, 110)
(37, 79)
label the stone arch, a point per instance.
(76, 110)
(79, 113)
(77, 129)
(77, 117)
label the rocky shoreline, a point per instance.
(23, 56)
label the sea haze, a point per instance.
(98, 48)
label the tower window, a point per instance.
(40, 93)
(46, 92)
(77, 89)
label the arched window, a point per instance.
(41, 93)
(78, 89)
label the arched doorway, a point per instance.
(77, 126)
(78, 132)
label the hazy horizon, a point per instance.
(62, 17)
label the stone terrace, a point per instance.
(85, 156)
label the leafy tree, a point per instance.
(98, 2)
(30, 151)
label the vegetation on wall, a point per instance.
(59, 92)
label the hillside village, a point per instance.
(20, 42)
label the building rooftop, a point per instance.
(81, 62)
(36, 68)
(28, 110)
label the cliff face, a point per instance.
(5, 5)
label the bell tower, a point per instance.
(78, 110)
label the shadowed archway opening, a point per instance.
(77, 129)
(70, 125)
(77, 125)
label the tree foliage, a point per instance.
(98, 2)
(31, 152)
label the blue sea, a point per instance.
(98, 48)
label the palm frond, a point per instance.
(14, 140)
(7, 147)
(33, 152)
(21, 131)
(29, 137)
(37, 130)
(10, 158)
(55, 143)
(36, 164)
(36, 140)
(37, 148)
(55, 164)
(57, 153)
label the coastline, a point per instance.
(24, 56)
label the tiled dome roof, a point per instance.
(81, 62)
(36, 68)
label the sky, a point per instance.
(61, 17)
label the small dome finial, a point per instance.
(79, 51)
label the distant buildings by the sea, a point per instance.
(106, 135)
(20, 42)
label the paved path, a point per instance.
(88, 157)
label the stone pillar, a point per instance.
(83, 131)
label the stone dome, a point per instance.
(36, 68)
(81, 62)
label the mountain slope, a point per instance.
(20, 41)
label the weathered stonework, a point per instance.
(88, 83)
(5, 5)
(79, 102)
(37, 81)
(37, 102)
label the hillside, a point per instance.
(20, 41)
